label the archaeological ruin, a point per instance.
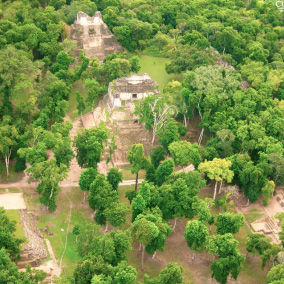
(93, 35)
(124, 91)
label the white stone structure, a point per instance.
(124, 91)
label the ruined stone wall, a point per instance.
(93, 35)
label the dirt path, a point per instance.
(67, 230)
(55, 269)
(68, 183)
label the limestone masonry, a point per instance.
(93, 35)
(124, 91)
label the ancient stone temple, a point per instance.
(124, 91)
(93, 36)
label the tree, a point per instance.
(276, 274)
(177, 196)
(87, 232)
(217, 169)
(158, 243)
(63, 151)
(195, 235)
(8, 141)
(164, 170)
(169, 133)
(172, 274)
(116, 213)
(229, 223)
(89, 145)
(80, 103)
(9, 272)
(114, 177)
(8, 241)
(62, 62)
(203, 210)
(49, 175)
(267, 191)
(101, 196)
(84, 60)
(259, 244)
(111, 247)
(17, 71)
(160, 40)
(122, 273)
(86, 178)
(144, 232)
(229, 259)
(94, 91)
(137, 160)
(76, 231)
(180, 152)
(135, 64)
(158, 154)
(154, 112)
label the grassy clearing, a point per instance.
(127, 175)
(155, 67)
(254, 214)
(13, 175)
(59, 220)
(15, 216)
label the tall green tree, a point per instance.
(93, 91)
(195, 234)
(229, 223)
(229, 259)
(180, 152)
(114, 177)
(101, 196)
(138, 160)
(217, 169)
(90, 145)
(135, 64)
(164, 170)
(86, 179)
(144, 232)
(8, 241)
(49, 175)
(8, 141)
(169, 133)
(9, 272)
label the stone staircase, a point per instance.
(267, 227)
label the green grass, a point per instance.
(14, 190)
(58, 221)
(13, 175)
(253, 215)
(155, 67)
(15, 216)
(127, 175)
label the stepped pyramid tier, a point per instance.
(125, 91)
(93, 35)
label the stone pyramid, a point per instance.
(93, 36)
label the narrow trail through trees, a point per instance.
(67, 230)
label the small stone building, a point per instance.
(124, 91)
(93, 35)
